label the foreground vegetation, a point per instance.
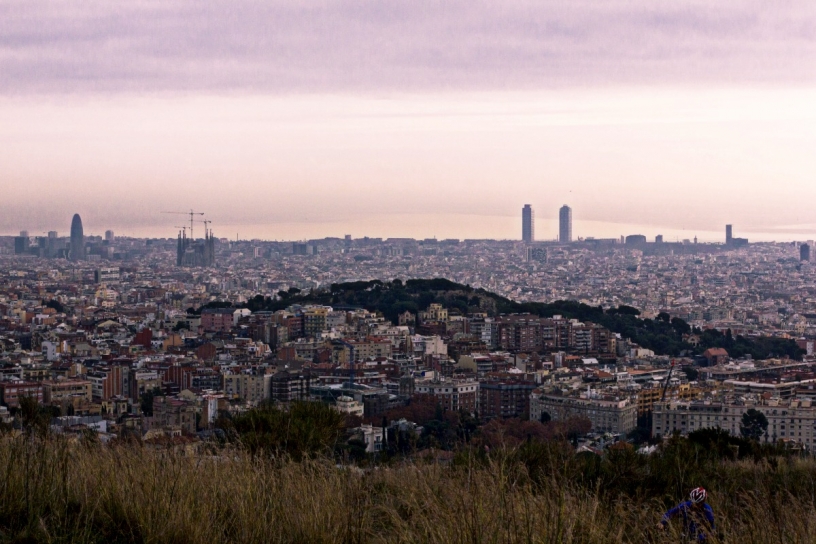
(52, 490)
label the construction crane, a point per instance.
(191, 213)
(666, 385)
(184, 229)
(206, 225)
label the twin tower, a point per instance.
(564, 224)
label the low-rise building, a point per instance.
(170, 413)
(347, 405)
(372, 437)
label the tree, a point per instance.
(181, 325)
(623, 309)
(146, 401)
(305, 429)
(56, 305)
(35, 419)
(754, 424)
(691, 373)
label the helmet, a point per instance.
(698, 495)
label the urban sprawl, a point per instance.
(159, 338)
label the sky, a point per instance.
(294, 120)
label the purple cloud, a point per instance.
(366, 45)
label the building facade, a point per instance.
(12, 391)
(565, 224)
(505, 399)
(616, 416)
(789, 420)
(452, 395)
(217, 319)
(527, 224)
(77, 239)
(254, 388)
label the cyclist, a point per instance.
(698, 517)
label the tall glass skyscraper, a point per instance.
(565, 224)
(77, 239)
(527, 224)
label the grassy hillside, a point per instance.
(664, 335)
(53, 491)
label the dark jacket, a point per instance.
(697, 522)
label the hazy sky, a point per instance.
(310, 119)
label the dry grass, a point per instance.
(52, 491)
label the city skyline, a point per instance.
(553, 233)
(670, 118)
(527, 221)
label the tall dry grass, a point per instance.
(55, 491)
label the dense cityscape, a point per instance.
(351, 272)
(162, 338)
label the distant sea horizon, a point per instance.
(440, 226)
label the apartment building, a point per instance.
(452, 395)
(168, 412)
(792, 420)
(606, 415)
(505, 399)
(370, 348)
(65, 391)
(217, 319)
(648, 396)
(288, 386)
(12, 391)
(519, 333)
(107, 382)
(314, 320)
(252, 387)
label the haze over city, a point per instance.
(288, 122)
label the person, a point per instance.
(698, 516)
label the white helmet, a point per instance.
(698, 495)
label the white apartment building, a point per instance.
(791, 420)
(617, 416)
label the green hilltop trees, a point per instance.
(663, 335)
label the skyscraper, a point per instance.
(527, 224)
(565, 224)
(77, 239)
(729, 235)
(109, 237)
(804, 252)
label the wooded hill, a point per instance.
(663, 335)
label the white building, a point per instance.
(791, 420)
(617, 416)
(373, 437)
(347, 405)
